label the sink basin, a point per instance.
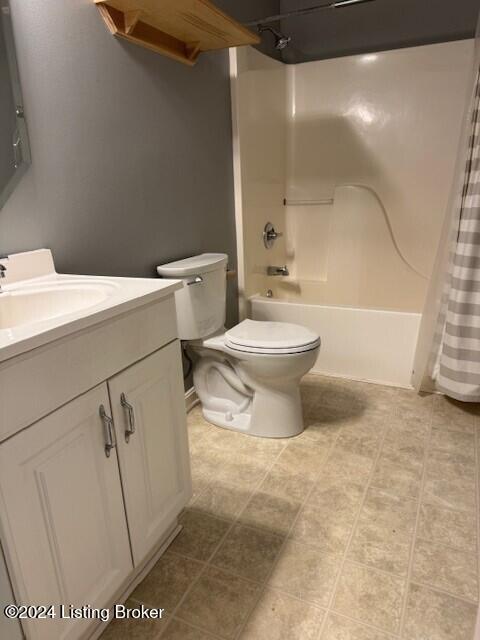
(30, 304)
(39, 306)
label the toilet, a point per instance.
(247, 378)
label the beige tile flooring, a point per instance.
(362, 528)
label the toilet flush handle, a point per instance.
(196, 280)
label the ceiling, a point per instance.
(374, 26)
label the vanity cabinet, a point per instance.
(152, 445)
(65, 520)
(88, 491)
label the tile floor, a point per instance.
(362, 528)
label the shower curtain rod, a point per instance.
(338, 4)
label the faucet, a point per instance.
(3, 273)
(278, 271)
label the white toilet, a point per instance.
(247, 378)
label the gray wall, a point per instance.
(250, 11)
(132, 158)
(375, 26)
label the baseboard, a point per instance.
(191, 399)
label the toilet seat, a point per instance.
(274, 338)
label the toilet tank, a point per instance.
(201, 304)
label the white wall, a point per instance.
(389, 121)
(259, 92)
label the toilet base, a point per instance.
(267, 416)
(254, 394)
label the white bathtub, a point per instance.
(361, 344)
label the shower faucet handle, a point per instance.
(270, 235)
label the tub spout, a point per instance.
(278, 271)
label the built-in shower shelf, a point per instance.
(179, 29)
(306, 203)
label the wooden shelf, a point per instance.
(179, 29)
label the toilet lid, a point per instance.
(271, 337)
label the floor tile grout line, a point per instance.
(354, 529)
(363, 565)
(265, 585)
(408, 579)
(444, 592)
(254, 487)
(471, 550)
(361, 623)
(214, 635)
(180, 602)
(392, 493)
(287, 538)
(220, 542)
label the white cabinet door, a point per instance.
(62, 514)
(154, 460)
(8, 628)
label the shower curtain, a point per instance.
(459, 366)
(448, 349)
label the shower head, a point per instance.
(281, 41)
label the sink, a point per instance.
(33, 303)
(39, 306)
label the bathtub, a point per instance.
(361, 344)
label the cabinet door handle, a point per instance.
(130, 430)
(110, 442)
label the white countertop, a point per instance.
(93, 299)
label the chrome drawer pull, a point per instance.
(110, 442)
(130, 417)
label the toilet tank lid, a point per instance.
(194, 265)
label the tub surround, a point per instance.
(94, 462)
(365, 164)
(390, 121)
(380, 154)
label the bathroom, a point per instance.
(250, 403)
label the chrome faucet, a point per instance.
(3, 273)
(278, 271)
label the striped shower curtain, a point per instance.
(458, 374)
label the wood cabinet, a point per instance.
(80, 518)
(179, 29)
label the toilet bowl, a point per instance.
(247, 378)
(254, 387)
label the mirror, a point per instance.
(14, 147)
